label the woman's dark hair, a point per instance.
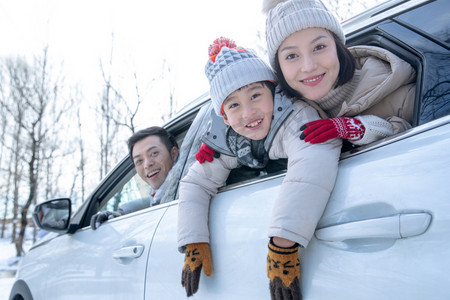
(347, 65)
(166, 138)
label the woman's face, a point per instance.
(309, 62)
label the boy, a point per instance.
(242, 93)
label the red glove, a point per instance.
(320, 131)
(205, 153)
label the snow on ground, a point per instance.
(5, 287)
(9, 262)
(8, 266)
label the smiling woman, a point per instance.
(316, 53)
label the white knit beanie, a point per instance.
(229, 68)
(287, 17)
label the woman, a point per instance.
(364, 93)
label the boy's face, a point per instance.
(249, 111)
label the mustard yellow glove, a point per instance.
(197, 255)
(283, 270)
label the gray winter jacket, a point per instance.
(381, 94)
(305, 190)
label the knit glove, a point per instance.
(206, 153)
(320, 131)
(98, 219)
(197, 255)
(283, 270)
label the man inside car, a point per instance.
(153, 151)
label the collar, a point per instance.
(333, 102)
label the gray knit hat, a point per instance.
(230, 68)
(287, 17)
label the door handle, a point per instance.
(129, 252)
(392, 227)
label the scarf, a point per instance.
(248, 152)
(332, 102)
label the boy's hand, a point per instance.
(320, 131)
(283, 270)
(197, 255)
(205, 153)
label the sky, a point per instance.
(145, 36)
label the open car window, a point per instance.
(131, 189)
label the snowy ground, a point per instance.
(8, 264)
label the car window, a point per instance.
(131, 189)
(186, 156)
(433, 19)
(125, 189)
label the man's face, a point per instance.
(249, 111)
(152, 160)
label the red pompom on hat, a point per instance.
(217, 45)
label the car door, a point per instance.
(384, 234)
(385, 231)
(110, 262)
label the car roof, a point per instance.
(379, 13)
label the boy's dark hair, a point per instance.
(347, 65)
(271, 85)
(166, 138)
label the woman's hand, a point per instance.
(320, 131)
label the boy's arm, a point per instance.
(309, 181)
(196, 189)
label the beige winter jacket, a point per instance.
(383, 86)
(305, 190)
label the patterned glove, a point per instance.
(283, 270)
(197, 254)
(320, 131)
(98, 219)
(206, 153)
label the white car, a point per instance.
(385, 233)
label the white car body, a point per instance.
(385, 233)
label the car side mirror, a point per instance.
(53, 215)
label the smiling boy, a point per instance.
(262, 125)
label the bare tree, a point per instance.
(37, 114)
(6, 200)
(115, 114)
(131, 108)
(167, 76)
(344, 10)
(82, 164)
(107, 111)
(5, 186)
